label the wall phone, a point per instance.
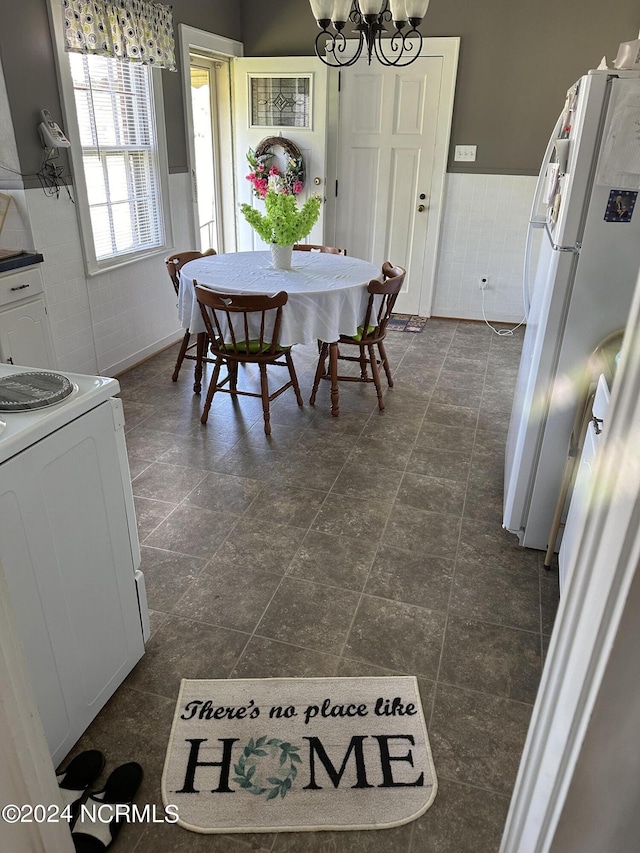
(51, 133)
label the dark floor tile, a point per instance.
(436, 462)
(224, 493)
(149, 444)
(171, 838)
(309, 615)
(166, 482)
(432, 494)
(375, 452)
(339, 561)
(287, 505)
(167, 576)
(229, 597)
(462, 819)
(424, 532)
(264, 658)
(439, 436)
(344, 516)
(395, 840)
(302, 467)
(491, 659)
(396, 636)
(198, 532)
(477, 738)
(456, 363)
(366, 482)
(385, 427)
(259, 544)
(457, 416)
(197, 450)
(483, 500)
(486, 543)
(136, 413)
(182, 648)
(495, 595)
(413, 578)
(149, 514)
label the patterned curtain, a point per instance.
(131, 30)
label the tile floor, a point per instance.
(365, 544)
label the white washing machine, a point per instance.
(68, 543)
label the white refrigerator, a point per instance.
(587, 238)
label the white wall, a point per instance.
(484, 229)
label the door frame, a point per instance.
(193, 40)
(448, 48)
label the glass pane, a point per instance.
(117, 177)
(280, 101)
(204, 153)
(94, 176)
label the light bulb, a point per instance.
(417, 9)
(398, 11)
(371, 7)
(341, 10)
(321, 9)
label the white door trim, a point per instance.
(192, 39)
(448, 48)
(583, 649)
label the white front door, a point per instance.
(280, 97)
(392, 149)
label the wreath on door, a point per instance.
(289, 182)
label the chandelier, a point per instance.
(369, 17)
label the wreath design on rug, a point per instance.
(247, 770)
(291, 181)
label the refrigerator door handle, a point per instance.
(536, 221)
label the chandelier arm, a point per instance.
(337, 44)
(402, 44)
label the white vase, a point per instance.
(281, 257)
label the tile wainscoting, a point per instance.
(484, 229)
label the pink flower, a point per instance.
(297, 187)
(274, 171)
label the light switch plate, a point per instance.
(465, 153)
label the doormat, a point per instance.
(298, 755)
(406, 323)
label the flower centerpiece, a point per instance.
(282, 224)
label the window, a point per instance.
(117, 136)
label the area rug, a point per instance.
(298, 754)
(406, 323)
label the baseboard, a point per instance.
(143, 355)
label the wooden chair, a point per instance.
(329, 250)
(245, 330)
(371, 334)
(174, 264)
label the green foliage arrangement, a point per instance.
(282, 223)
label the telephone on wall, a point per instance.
(50, 133)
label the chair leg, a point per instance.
(294, 378)
(264, 388)
(211, 391)
(385, 364)
(233, 375)
(183, 349)
(201, 347)
(376, 375)
(363, 364)
(333, 373)
(319, 372)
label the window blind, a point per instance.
(117, 134)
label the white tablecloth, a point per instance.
(327, 293)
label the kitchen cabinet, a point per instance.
(25, 331)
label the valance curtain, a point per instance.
(131, 30)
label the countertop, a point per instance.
(24, 259)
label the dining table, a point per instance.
(327, 295)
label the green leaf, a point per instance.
(238, 769)
(293, 772)
(261, 740)
(286, 784)
(251, 745)
(260, 752)
(257, 791)
(246, 783)
(294, 749)
(239, 780)
(283, 758)
(286, 746)
(274, 780)
(295, 758)
(273, 742)
(273, 794)
(283, 791)
(250, 772)
(246, 752)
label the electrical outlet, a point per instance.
(483, 282)
(465, 153)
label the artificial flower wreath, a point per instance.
(292, 181)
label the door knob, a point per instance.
(317, 181)
(421, 208)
